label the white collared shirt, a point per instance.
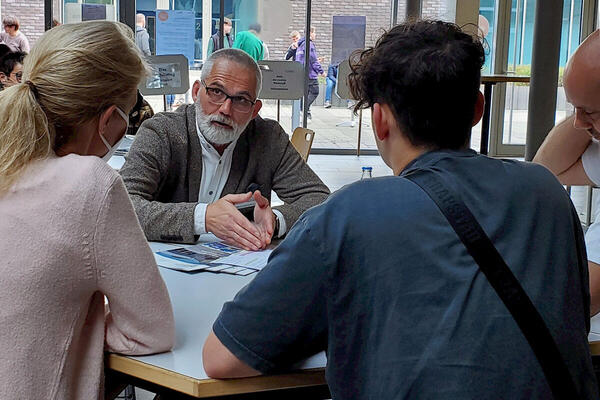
(215, 172)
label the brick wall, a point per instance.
(30, 14)
(378, 13)
(434, 9)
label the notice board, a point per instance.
(348, 35)
(175, 32)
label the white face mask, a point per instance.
(112, 149)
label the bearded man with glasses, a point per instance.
(187, 170)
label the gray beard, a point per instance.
(216, 134)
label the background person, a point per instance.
(12, 36)
(290, 54)
(249, 42)
(571, 149)
(142, 39)
(214, 42)
(257, 29)
(69, 233)
(315, 68)
(331, 79)
(378, 278)
(4, 50)
(11, 68)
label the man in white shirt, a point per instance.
(187, 170)
(571, 149)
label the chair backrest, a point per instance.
(302, 139)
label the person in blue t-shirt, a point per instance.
(376, 277)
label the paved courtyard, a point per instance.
(330, 135)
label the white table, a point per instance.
(197, 299)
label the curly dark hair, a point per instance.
(4, 50)
(8, 62)
(429, 73)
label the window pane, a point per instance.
(89, 10)
(340, 28)
(519, 60)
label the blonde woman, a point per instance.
(68, 233)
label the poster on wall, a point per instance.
(348, 35)
(92, 12)
(175, 33)
(76, 12)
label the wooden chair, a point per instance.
(302, 139)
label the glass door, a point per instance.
(511, 51)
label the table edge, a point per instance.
(505, 79)
(213, 387)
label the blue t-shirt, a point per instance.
(377, 278)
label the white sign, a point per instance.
(282, 80)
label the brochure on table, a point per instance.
(209, 255)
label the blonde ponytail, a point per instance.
(74, 72)
(24, 135)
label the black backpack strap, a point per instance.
(502, 280)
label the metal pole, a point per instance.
(394, 21)
(544, 73)
(485, 121)
(413, 9)
(501, 42)
(221, 23)
(127, 13)
(206, 27)
(359, 131)
(306, 62)
(47, 15)
(278, 109)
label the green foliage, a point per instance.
(526, 70)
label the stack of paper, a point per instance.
(212, 257)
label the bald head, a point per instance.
(581, 81)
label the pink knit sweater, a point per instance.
(68, 237)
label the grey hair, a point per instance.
(238, 56)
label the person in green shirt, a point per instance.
(249, 42)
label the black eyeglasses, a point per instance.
(218, 97)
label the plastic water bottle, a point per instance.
(367, 172)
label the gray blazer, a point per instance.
(163, 170)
